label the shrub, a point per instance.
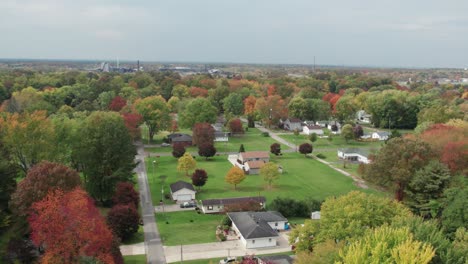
(222, 237)
(226, 221)
(178, 150)
(265, 134)
(321, 156)
(305, 148)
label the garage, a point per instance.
(182, 191)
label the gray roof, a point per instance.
(382, 133)
(277, 259)
(236, 200)
(182, 138)
(181, 185)
(255, 224)
(360, 151)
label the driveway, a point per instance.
(171, 208)
(221, 250)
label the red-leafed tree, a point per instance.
(455, 156)
(125, 193)
(206, 150)
(199, 178)
(198, 92)
(178, 149)
(123, 220)
(117, 104)
(203, 133)
(275, 148)
(271, 90)
(174, 127)
(305, 149)
(235, 126)
(133, 122)
(41, 179)
(69, 227)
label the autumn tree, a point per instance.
(249, 109)
(270, 109)
(270, 172)
(199, 178)
(305, 148)
(203, 133)
(125, 193)
(123, 220)
(178, 149)
(155, 113)
(455, 156)
(29, 136)
(186, 163)
(40, 180)
(199, 110)
(235, 126)
(133, 122)
(235, 176)
(69, 237)
(396, 163)
(206, 150)
(105, 158)
(358, 132)
(275, 149)
(347, 132)
(117, 104)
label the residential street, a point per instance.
(152, 246)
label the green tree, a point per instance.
(426, 187)
(347, 132)
(235, 176)
(387, 245)
(346, 108)
(155, 113)
(233, 104)
(396, 164)
(8, 173)
(313, 137)
(270, 172)
(198, 110)
(455, 212)
(186, 163)
(105, 153)
(241, 149)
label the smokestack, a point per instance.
(138, 65)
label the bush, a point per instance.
(222, 237)
(226, 221)
(265, 134)
(321, 156)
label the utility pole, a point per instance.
(181, 254)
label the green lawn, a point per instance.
(135, 259)
(252, 140)
(337, 142)
(187, 227)
(302, 177)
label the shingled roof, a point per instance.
(181, 185)
(255, 224)
(235, 200)
(255, 154)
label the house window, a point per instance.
(253, 241)
(269, 240)
(276, 224)
(210, 207)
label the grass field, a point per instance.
(337, 142)
(252, 140)
(302, 177)
(187, 227)
(135, 259)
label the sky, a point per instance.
(389, 33)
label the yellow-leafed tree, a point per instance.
(235, 176)
(186, 163)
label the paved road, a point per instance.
(153, 246)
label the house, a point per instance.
(276, 259)
(185, 139)
(213, 206)
(258, 229)
(292, 124)
(252, 161)
(182, 191)
(354, 154)
(310, 129)
(338, 126)
(363, 117)
(221, 136)
(322, 123)
(366, 136)
(315, 215)
(381, 135)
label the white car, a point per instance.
(227, 260)
(165, 145)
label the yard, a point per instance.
(135, 259)
(302, 177)
(337, 142)
(187, 227)
(252, 140)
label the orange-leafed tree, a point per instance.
(249, 109)
(70, 228)
(455, 156)
(235, 176)
(270, 109)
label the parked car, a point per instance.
(165, 145)
(188, 204)
(227, 260)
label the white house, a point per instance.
(381, 135)
(363, 117)
(292, 124)
(322, 123)
(214, 206)
(310, 129)
(182, 191)
(315, 215)
(338, 126)
(221, 136)
(258, 229)
(354, 154)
